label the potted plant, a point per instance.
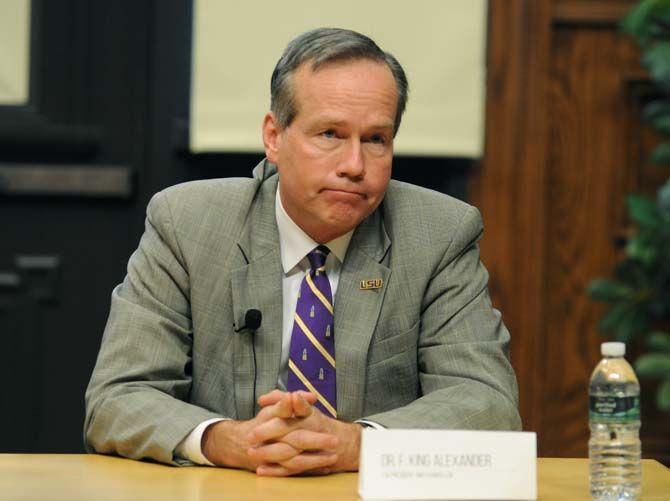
(638, 295)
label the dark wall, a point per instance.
(106, 127)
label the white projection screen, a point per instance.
(14, 52)
(440, 43)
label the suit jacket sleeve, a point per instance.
(136, 402)
(465, 378)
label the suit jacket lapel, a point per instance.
(258, 284)
(357, 311)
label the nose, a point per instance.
(352, 163)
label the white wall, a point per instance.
(440, 43)
(14, 51)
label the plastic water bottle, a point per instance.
(614, 418)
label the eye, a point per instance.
(329, 134)
(377, 139)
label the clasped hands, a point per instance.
(289, 436)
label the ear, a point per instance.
(271, 137)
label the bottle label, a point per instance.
(614, 409)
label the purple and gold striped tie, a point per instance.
(312, 355)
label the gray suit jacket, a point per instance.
(427, 350)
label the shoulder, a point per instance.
(207, 195)
(221, 192)
(428, 218)
(196, 206)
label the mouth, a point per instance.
(344, 193)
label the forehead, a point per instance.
(358, 83)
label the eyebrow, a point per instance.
(321, 121)
(385, 125)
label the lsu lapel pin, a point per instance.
(371, 284)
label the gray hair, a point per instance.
(322, 46)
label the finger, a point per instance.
(309, 461)
(275, 470)
(282, 408)
(270, 398)
(319, 471)
(316, 472)
(307, 395)
(308, 440)
(270, 430)
(302, 407)
(272, 453)
(285, 406)
(302, 463)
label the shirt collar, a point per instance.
(295, 244)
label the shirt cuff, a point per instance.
(370, 424)
(190, 448)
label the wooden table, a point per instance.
(42, 477)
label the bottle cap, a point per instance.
(613, 349)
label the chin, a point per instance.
(344, 223)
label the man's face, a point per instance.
(334, 159)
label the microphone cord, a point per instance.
(252, 322)
(253, 349)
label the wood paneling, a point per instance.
(586, 164)
(509, 188)
(564, 145)
(606, 12)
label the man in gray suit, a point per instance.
(374, 303)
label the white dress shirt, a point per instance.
(294, 245)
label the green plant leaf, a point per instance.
(653, 365)
(633, 322)
(657, 60)
(624, 320)
(608, 291)
(661, 154)
(655, 109)
(663, 396)
(645, 273)
(612, 317)
(636, 21)
(663, 197)
(659, 341)
(662, 124)
(647, 20)
(633, 274)
(639, 247)
(662, 13)
(643, 211)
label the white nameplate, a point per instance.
(447, 464)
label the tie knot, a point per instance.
(317, 258)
